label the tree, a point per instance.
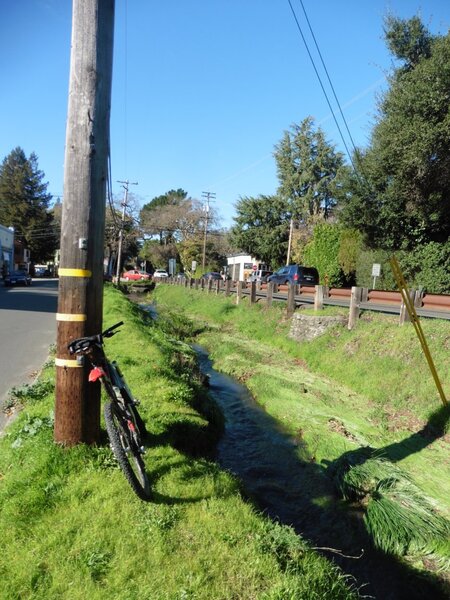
(308, 171)
(408, 40)
(405, 197)
(262, 228)
(174, 217)
(24, 204)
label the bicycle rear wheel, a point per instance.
(125, 451)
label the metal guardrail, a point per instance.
(426, 305)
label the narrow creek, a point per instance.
(298, 492)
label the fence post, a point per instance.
(404, 315)
(227, 287)
(209, 285)
(218, 282)
(418, 298)
(269, 293)
(253, 292)
(239, 292)
(290, 300)
(196, 284)
(318, 297)
(191, 282)
(355, 300)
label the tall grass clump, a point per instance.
(400, 519)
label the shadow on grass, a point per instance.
(435, 428)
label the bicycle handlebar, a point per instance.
(109, 332)
(83, 344)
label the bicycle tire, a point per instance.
(129, 459)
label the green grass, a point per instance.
(71, 527)
(342, 392)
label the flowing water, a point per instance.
(283, 480)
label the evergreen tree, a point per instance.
(262, 228)
(308, 171)
(24, 204)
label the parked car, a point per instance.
(41, 271)
(160, 274)
(296, 274)
(259, 276)
(134, 275)
(17, 278)
(211, 275)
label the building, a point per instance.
(6, 249)
(240, 266)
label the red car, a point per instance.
(135, 274)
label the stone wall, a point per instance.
(305, 328)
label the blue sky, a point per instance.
(202, 89)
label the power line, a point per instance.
(319, 79)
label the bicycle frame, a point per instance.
(124, 425)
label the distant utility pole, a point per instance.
(80, 303)
(125, 185)
(208, 196)
(291, 231)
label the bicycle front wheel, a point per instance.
(127, 455)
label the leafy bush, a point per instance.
(322, 252)
(428, 267)
(364, 264)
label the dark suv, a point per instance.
(295, 274)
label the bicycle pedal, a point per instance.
(142, 450)
(135, 402)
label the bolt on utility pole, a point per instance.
(208, 196)
(80, 303)
(125, 185)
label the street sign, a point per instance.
(194, 266)
(376, 271)
(172, 266)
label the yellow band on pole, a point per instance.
(74, 273)
(61, 362)
(69, 317)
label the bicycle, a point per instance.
(124, 425)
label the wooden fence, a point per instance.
(355, 298)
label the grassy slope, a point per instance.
(370, 386)
(71, 527)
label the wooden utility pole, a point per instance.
(291, 232)
(80, 304)
(125, 185)
(208, 196)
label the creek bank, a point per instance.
(285, 482)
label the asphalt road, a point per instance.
(27, 329)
